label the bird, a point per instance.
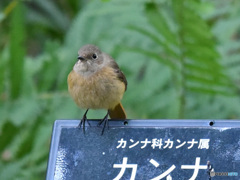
(96, 82)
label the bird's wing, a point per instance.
(117, 70)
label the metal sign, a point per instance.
(146, 150)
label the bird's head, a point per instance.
(89, 60)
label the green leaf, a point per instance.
(156, 39)
(12, 170)
(2, 16)
(152, 55)
(52, 12)
(159, 22)
(8, 133)
(202, 90)
(17, 50)
(24, 110)
(207, 81)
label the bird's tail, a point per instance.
(118, 112)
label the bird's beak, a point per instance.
(81, 58)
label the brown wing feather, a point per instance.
(119, 73)
(118, 112)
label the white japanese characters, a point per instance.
(164, 144)
(166, 174)
(160, 143)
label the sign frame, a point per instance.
(146, 123)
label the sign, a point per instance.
(145, 150)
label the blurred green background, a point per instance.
(181, 60)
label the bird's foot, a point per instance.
(82, 122)
(105, 122)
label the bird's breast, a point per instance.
(101, 90)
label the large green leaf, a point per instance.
(17, 50)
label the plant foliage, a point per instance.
(181, 59)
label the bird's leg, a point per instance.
(105, 121)
(82, 122)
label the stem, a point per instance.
(182, 95)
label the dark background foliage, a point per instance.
(181, 59)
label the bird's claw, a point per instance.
(82, 122)
(105, 121)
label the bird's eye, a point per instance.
(94, 56)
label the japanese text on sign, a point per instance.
(164, 144)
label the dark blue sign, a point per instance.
(146, 150)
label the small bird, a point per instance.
(96, 82)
